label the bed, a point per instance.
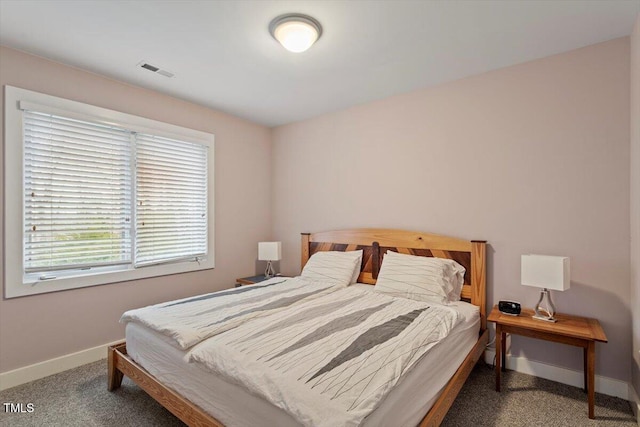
(196, 398)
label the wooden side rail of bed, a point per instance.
(374, 243)
(120, 364)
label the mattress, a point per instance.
(234, 405)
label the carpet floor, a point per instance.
(79, 397)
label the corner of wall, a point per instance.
(635, 207)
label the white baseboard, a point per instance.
(53, 366)
(604, 385)
(634, 400)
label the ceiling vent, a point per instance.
(153, 68)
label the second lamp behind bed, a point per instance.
(269, 251)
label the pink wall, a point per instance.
(534, 158)
(42, 327)
(635, 202)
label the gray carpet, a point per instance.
(79, 397)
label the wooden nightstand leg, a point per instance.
(498, 355)
(503, 350)
(585, 367)
(591, 373)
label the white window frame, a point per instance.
(15, 284)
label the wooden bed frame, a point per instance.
(374, 243)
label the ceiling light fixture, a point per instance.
(295, 31)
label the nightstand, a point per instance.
(250, 280)
(572, 330)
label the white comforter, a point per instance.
(329, 361)
(189, 321)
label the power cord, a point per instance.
(488, 346)
(490, 343)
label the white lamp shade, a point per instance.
(269, 251)
(543, 271)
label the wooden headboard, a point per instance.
(374, 242)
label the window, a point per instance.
(77, 201)
(171, 200)
(105, 196)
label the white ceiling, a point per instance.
(223, 56)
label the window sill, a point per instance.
(16, 288)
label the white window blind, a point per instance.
(171, 200)
(72, 216)
(77, 201)
(78, 196)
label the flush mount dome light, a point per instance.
(295, 31)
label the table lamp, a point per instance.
(269, 251)
(548, 273)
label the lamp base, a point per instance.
(269, 272)
(545, 318)
(549, 310)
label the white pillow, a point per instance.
(333, 267)
(420, 278)
(452, 272)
